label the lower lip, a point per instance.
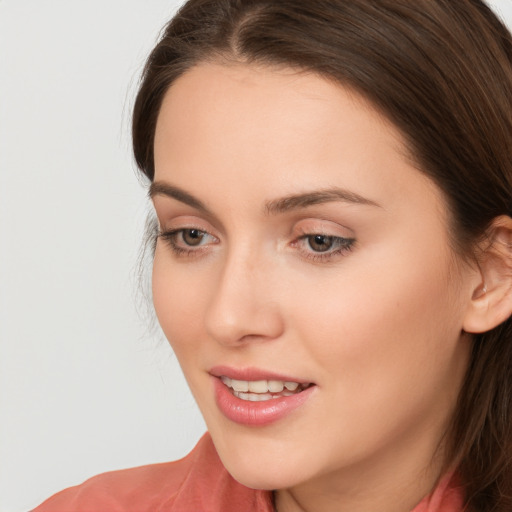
(256, 414)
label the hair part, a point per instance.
(441, 72)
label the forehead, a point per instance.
(262, 132)
(303, 100)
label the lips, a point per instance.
(255, 397)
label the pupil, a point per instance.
(320, 243)
(192, 236)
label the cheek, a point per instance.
(177, 301)
(389, 333)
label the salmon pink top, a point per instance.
(197, 483)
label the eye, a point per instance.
(320, 243)
(192, 237)
(319, 247)
(187, 241)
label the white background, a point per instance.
(85, 385)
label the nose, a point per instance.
(245, 305)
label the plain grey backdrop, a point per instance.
(85, 385)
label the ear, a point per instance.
(491, 302)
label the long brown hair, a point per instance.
(441, 71)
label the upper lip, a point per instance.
(253, 374)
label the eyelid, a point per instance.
(342, 237)
(325, 227)
(182, 249)
(170, 228)
(168, 211)
(344, 242)
(168, 222)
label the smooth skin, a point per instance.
(371, 309)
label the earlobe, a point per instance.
(491, 301)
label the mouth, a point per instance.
(263, 390)
(257, 398)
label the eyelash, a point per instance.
(342, 244)
(170, 238)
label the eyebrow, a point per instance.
(273, 207)
(160, 188)
(297, 201)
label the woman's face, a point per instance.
(300, 245)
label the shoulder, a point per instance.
(447, 497)
(197, 482)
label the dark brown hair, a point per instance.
(441, 71)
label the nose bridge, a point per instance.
(244, 306)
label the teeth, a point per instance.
(226, 381)
(261, 387)
(258, 386)
(240, 385)
(254, 397)
(275, 386)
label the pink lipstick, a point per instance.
(256, 397)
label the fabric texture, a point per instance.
(197, 483)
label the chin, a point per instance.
(262, 463)
(267, 476)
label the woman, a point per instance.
(333, 257)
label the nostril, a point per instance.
(235, 319)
